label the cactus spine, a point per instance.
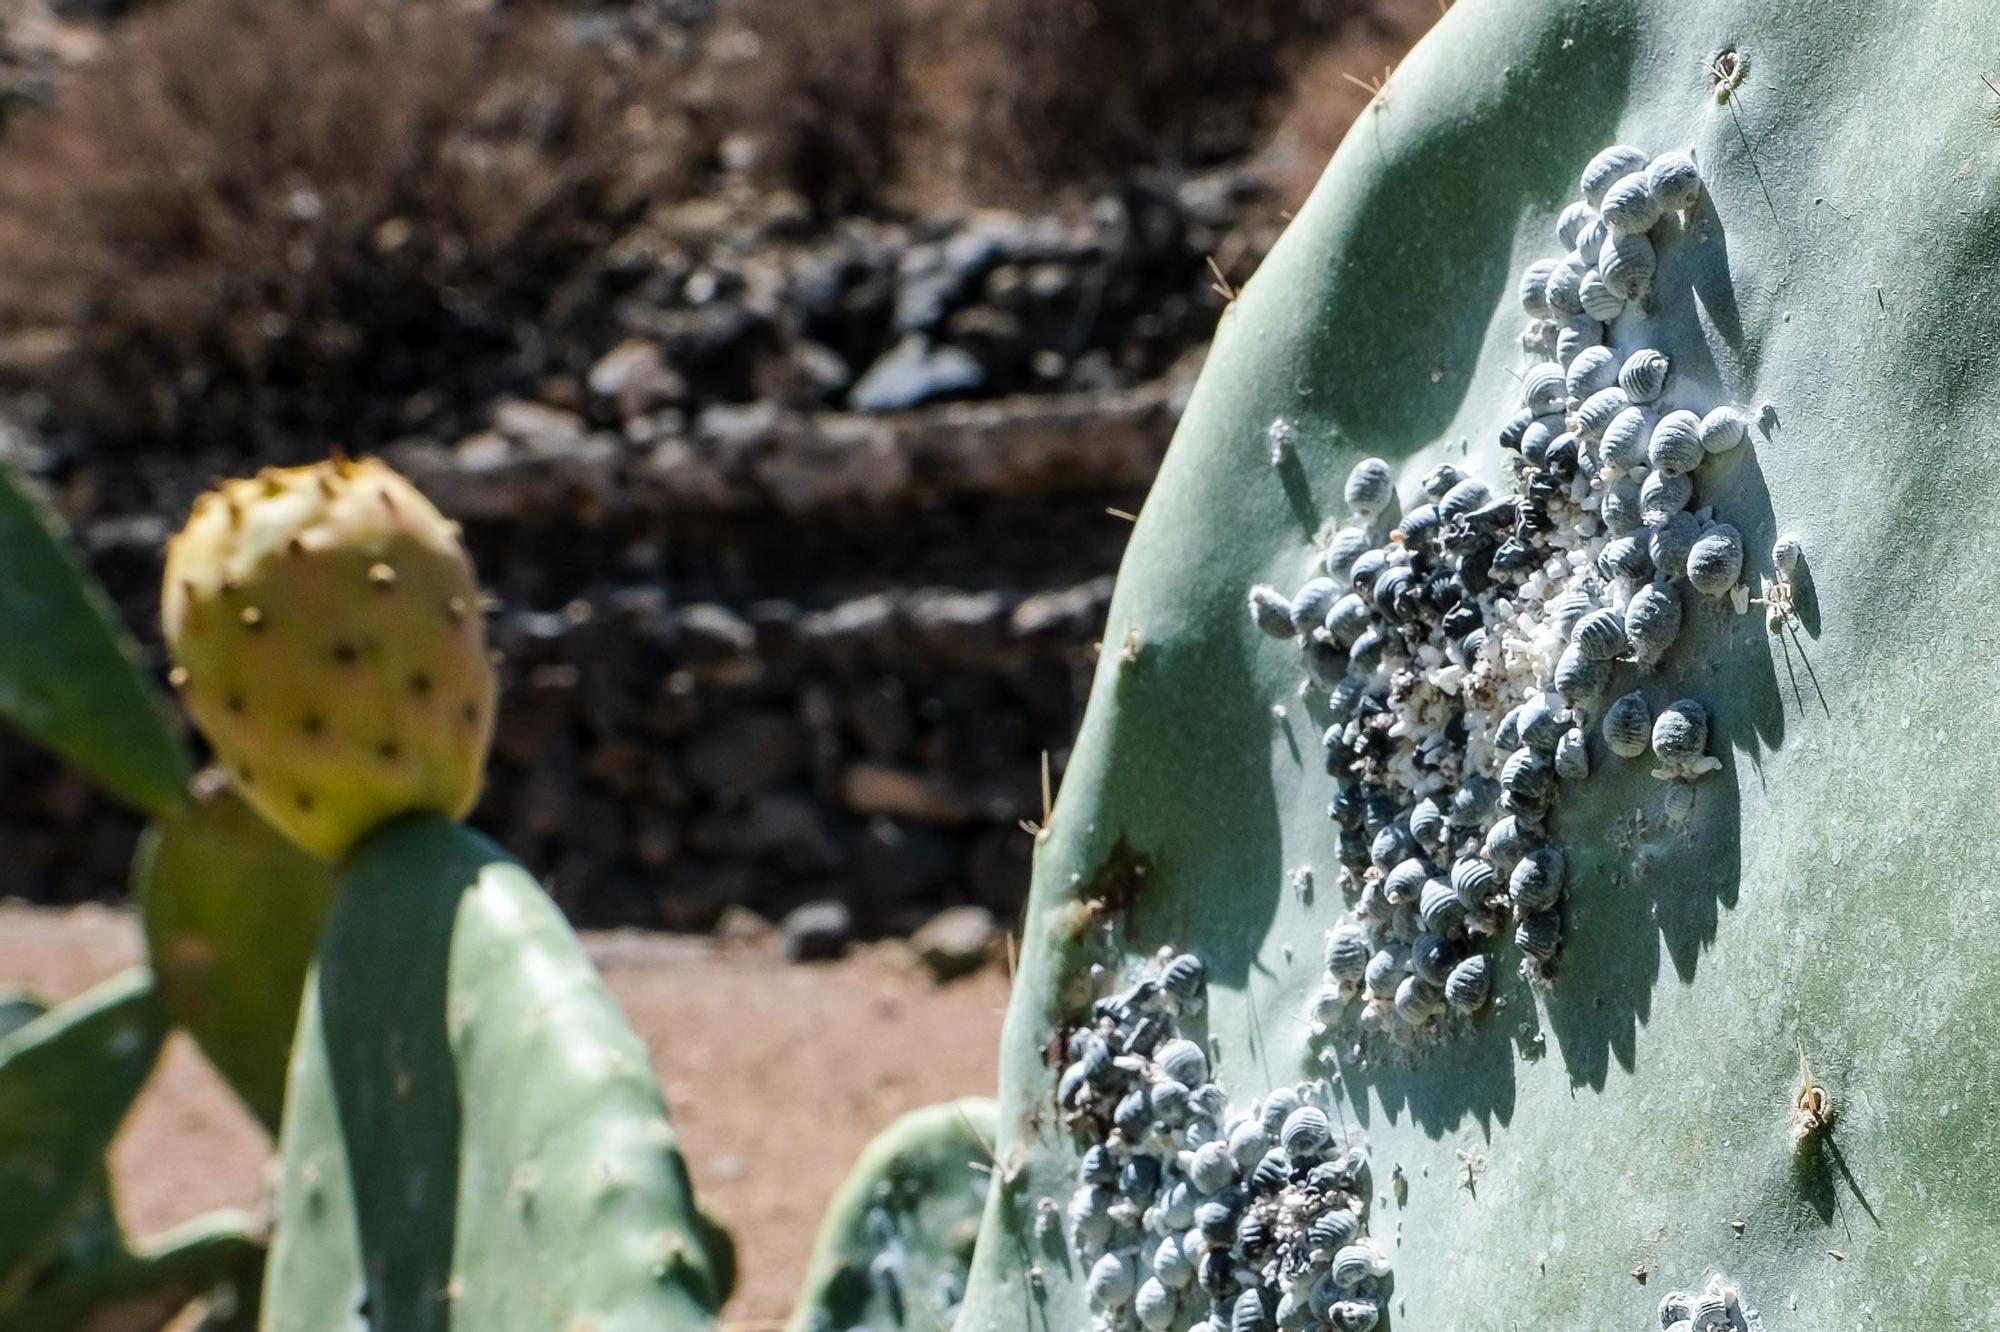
(327, 634)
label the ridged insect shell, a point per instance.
(1600, 635)
(1278, 1104)
(1594, 368)
(1675, 448)
(1469, 983)
(1570, 224)
(1628, 725)
(1154, 1305)
(1311, 603)
(1599, 301)
(1212, 1168)
(1538, 724)
(1305, 1131)
(1537, 881)
(1384, 970)
(1346, 951)
(1572, 756)
(1618, 507)
(1680, 734)
(1182, 1060)
(1249, 1314)
(1114, 1279)
(1674, 179)
(1607, 167)
(1526, 773)
(1581, 680)
(1724, 428)
(1209, 1099)
(1440, 909)
(1431, 958)
(1344, 549)
(1565, 286)
(1370, 487)
(1628, 264)
(1662, 496)
(1171, 1263)
(1626, 437)
(1599, 410)
(1539, 935)
(1652, 621)
(1417, 1001)
(1507, 841)
(1272, 1172)
(1534, 288)
(1406, 881)
(1571, 605)
(1644, 375)
(1468, 496)
(1670, 542)
(1630, 206)
(1333, 1229)
(1535, 439)
(1271, 611)
(1474, 880)
(1247, 1143)
(1441, 479)
(1678, 803)
(1428, 823)
(1590, 241)
(1716, 560)
(1786, 552)
(1675, 1306)
(1347, 619)
(1544, 388)
(1577, 332)
(1098, 1165)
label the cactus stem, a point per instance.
(420, 683)
(303, 800)
(389, 751)
(233, 700)
(313, 724)
(454, 609)
(346, 653)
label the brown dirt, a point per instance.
(776, 1076)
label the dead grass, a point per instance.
(246, 208)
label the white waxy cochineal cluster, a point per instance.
(1468, 651)
(1195, 1214)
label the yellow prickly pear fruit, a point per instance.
(326, 630)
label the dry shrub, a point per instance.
(1086, 90)
(265, 219)
(823, 87)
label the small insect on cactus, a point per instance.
(472, 1136)
(327, 633)
(1510, 844)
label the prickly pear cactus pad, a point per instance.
(67, 1077)
(327, 634)
(232, 911)
(1729, 1032)
(473, 1137)
(896, 1244)
(68, 674)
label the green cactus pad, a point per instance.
(66, 1080)
(139, 1291)
(1627, 1130)
(473, 1137)
(896, 1245)
(17, 1009)
(68, 675)
(232, 911)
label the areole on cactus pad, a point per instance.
(1633, 1136)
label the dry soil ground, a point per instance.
(776, 1075)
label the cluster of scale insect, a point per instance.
(1468, 650)
(1716, 1308)
(1193, 1214)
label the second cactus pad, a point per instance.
(326, 629)
(473, 1137)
